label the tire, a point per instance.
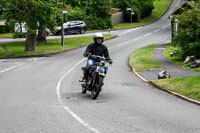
(84, 90)
(82, 31)
(96, 90)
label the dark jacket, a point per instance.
(96, 49)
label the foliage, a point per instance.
(36, 14)
(160, 7)
(4, 29)
(187, 38)
(142, 8)
(146, 8)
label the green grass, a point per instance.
(142, 59)
(6, 35)
(188, 86)
(176, 60)
(160, 7)
(52, 46)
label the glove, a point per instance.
(110, 61)
(86, 54)
(92, 57)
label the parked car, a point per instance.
(71, 27)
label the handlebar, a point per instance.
(99, 58)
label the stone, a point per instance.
(195, 64)
(189, 59)
(163, 75)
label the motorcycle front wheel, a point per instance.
(96, 89)
(84, 90)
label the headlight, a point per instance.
(101, 63)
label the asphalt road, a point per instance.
(44, 95)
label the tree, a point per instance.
(37, 14)
(188, 36)
(95, 12)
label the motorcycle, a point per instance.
(95, 78)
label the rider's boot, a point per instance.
(85, 76)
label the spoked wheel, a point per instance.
(96, 90)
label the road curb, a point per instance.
(162, 89)
(175, 94)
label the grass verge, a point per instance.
(160, 7)
(142, 59)
(176, 60)
(6, 35)
(188, 86)
(52, 46)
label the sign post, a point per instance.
(64, 11)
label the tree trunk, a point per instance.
(30, 42)
(41, 37)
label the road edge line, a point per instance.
(73, 114)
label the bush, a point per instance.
(4, 29)
(146, 8)
(187, 38)
(98, 23)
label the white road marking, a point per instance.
(130, 30)
(74, 115)
(37, 59)
(32, 59)
(157, 30)
(123, 43)
(11, 68)
(136, 39)
(164, 27)
(147, 34)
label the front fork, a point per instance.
(97, 75)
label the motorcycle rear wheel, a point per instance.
(96, 90)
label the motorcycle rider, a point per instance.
(96, 48)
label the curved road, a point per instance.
(44, 95)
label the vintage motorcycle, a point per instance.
(95, 78)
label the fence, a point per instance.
(117, 18)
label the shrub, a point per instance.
(4, 29)
(187, 38)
